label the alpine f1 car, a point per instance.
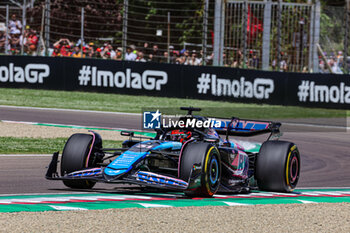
(195, 160)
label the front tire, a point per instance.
(207, 157)
(278, 166)
(74, 158)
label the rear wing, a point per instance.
(244, 127)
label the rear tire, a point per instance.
(74, 158)
(207, 157)
(277, 166)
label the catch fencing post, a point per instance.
(312, 42)
(7, 30)
(346, 37)
(316, 34)
(279, 25)
(266, 36)
(218, 31)
(24, 8)
(125, 27)
(244, 33)
(205, 32)
(168, 59)
(47, 26)
(82, 32)
(41, 32)
(222, 32)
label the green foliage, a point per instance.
(186, 19)
(332, 28)
(102, 18)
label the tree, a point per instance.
(103, 18)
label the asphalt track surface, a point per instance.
(325, 152)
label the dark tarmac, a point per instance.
(325, 154)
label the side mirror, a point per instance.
(127, 133)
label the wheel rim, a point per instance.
(294, 170)
(213, 171)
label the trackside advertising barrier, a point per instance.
(168, 80)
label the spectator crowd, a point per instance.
(15, 39)
(146, 53)
(333, 63)
(17, 36)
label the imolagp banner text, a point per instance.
(167, 80)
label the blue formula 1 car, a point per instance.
(195, 159)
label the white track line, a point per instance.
(234, 203)
(139, 114)
(306, 202)
(35, 194)
(323, 188)
(72, 126)
(317, 126)
(26, 155)
(70, 110)
(150, 205)
(66, 207)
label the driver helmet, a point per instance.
(180, 135)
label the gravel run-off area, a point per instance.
(259, 218)
(35, 131)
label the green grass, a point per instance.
(134, 104)
(12, 145)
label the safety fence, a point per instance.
(158, 31)
(280, 35)
(269, 34)
(171, 80)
